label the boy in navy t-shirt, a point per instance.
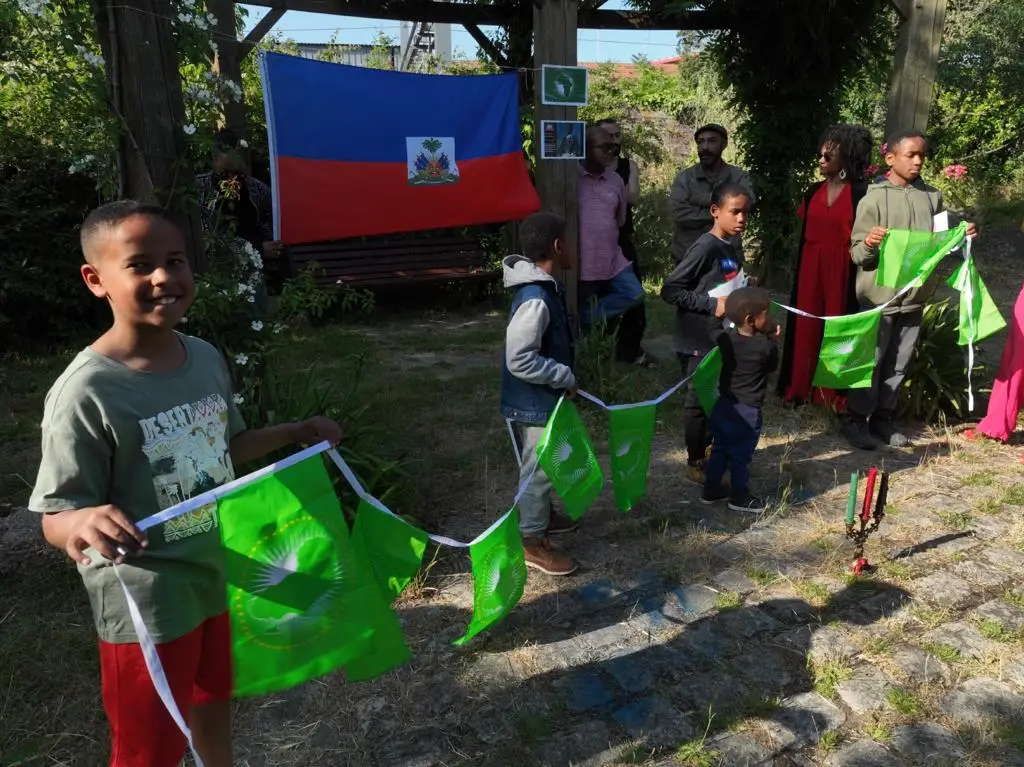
(711, 261)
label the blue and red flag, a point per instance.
(357, 151)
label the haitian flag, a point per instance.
(357, 151)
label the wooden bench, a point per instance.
(392, 263)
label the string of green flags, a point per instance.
(306, 596)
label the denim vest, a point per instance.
(531, 403)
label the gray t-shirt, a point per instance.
(143, 442)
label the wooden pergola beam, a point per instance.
(447, 12)
(264, 25)
(486, 45)
(916, 66)
(903, 7)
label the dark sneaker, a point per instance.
(858, 435)
(888, 434)
(560, 523)
(748, 503)
(695, 473)
(713, 495)
(541, 555)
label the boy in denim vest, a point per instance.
(537, 370)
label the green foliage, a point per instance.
(784, 63)
(977, 117)
(42, 298)
(632, 101)
(788, 85)
(936, 382)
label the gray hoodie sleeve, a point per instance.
(522, 348)
(868, 216)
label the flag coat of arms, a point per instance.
(357, 151)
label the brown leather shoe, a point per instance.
(560, 523)
(540, 555)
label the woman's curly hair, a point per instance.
(853, 142)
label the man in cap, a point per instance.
(690, 199)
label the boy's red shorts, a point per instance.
(198, 669)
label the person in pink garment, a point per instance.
(1008, 389)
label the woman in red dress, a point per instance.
(824, 271)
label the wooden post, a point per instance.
(226, 62)
(145, 96)
(916, 65)
(554, 42)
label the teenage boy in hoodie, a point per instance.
(537, 370)
(899, 201)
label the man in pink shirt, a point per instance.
(608, 284)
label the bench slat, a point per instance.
(383, 263)
(348, 263)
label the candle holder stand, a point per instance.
(868, 521)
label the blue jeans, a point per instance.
(605, 299)
(736, 430)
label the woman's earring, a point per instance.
(842, 175)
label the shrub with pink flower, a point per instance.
(955, 172)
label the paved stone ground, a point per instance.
(933, 671)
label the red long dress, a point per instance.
(822, 288)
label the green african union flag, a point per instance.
(847, 356)
(907, 256)
(566, 455)
(630, 432)
(394, 548)
(705, 380)
(299, 602)
(979, 316)
(499, 574)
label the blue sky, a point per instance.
(593, 45)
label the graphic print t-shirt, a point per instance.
(144, 442)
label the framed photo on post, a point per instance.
(562, 140)
(563, 86)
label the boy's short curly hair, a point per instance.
(110, 216)
(746, 302)
(538, 233)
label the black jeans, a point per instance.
(897, 339)
(695, 430)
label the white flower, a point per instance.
(184, 17)
(243, 143)
(32, 7)
(184, 320)
(257, 325)
(189, 129)
(211, 18)
(242, 289)
(242, 359)
(239, 399)
(278, 328)
(92, 59)
(214, 48)
(251, 298)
